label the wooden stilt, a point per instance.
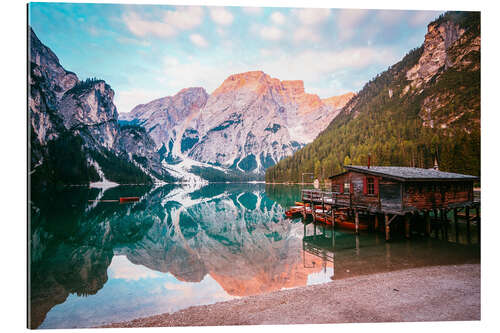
(444, 221)
(356, 220)
(427, 223)
(407, 226)
(333, 218)
(455, 220)
(333, 238)
(376, 223)
(357, 244)
(436, 223)
(323, 202)
(387, 228)
(467, 220)
(478, 224)
(313, 209)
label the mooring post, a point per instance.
(323, 203)
(427, 223)
(387, 228)
(311, 205)
(304, 207)
(407, 226)
(333, 218)
(376, 222)
(455, 220)
(357, 244)
(333, 239)
(478, 224)
(467, 220)
(356, 220)
(444, 219)
(437, 224)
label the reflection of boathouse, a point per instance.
(350, 254)
(393, 193)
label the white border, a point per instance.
(13, 152)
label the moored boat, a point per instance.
(128, 199)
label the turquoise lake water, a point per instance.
(93, 262)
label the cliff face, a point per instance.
(451, 52)
(74, 128)
(247, 124)
(435, 56)
(90, 105)
(426, 106)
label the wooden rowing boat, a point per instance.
(129, 199)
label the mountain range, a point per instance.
(74, 133)
(250, 122)
(422, 109)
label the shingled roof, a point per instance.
(409, 174)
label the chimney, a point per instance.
(369, 157)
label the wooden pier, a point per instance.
(364, 198)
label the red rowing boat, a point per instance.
(128, 199)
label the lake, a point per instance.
(94, 262)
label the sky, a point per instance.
(151, 51)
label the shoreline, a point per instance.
(432, 293)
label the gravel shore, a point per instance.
(437, 293)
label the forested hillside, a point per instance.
(425, 107)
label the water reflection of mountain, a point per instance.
(235, 233)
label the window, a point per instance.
(346, 187)
(370, 186)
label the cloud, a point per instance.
(390, 17)
(221, 16)
(311, 16)
(313, 66)
(348, 20)
(127, 40)
(93, 31)
(141, 27)
(422, 17)
(185, 18)
(126, 100)
(196, 73)
(278, 18)
(198, 40)
(252, 10)
(122, 268)
(172, 21)
(270, 33)
(304, 33)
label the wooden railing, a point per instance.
(329, 198)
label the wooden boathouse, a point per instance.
(392, 193)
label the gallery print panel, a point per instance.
(204, 166)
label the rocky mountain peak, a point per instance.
(293, 87)
(255, 81)
(441, 35)
(44, 60)
(75, 136)
(190, 99)
(88, 103)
